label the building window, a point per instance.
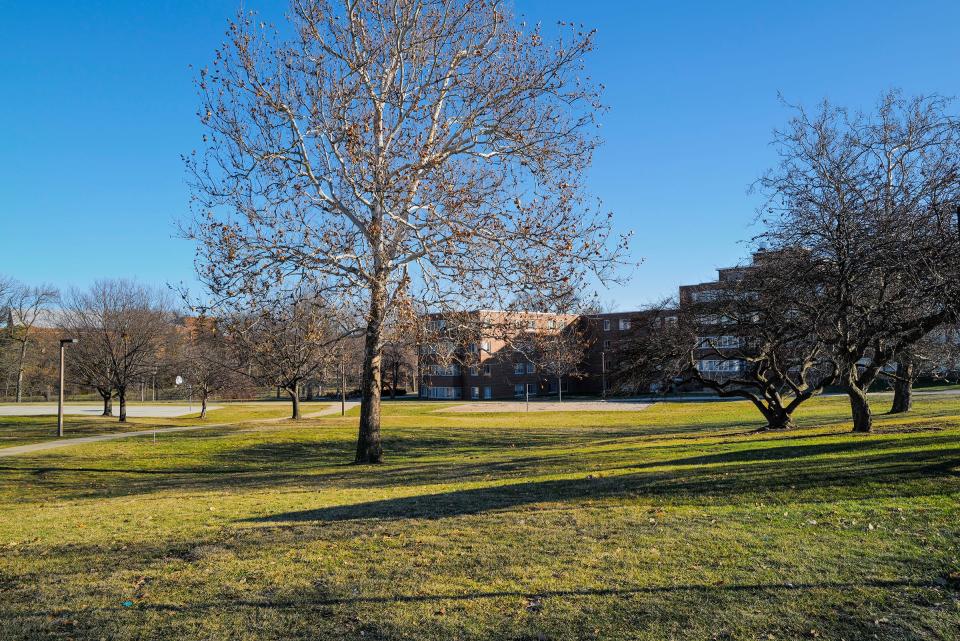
(518, 368)
(551, 324)
(444, 393)
(475, 393)
(606, 324)
(519, 389)
(727, 366)
(707, 296)
(474, 370)
(531, 368)
(487, 393)
(624, 324)
(446, 370)
(606, 344)
(486, 369)
(531, 324)
(485, 346)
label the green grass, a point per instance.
(677, 522)
(23, 430)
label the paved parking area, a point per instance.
(133, 411)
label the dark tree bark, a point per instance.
(778, 417)
(369, 446)
(903, 387)
(122, 397)
(203, 405)
(860, 408)
(107, 396)
(294, 393)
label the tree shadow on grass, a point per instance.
(844, 468)
(704, 480)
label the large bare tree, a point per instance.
(397, 150)
(872, 199)
(124, 328)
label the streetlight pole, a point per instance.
(63, 344)
(603, 374)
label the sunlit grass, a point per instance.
(674, 522)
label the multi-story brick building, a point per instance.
(721, 345)
(495, 362)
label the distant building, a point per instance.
(486, 364)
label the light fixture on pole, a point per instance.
(63, 344)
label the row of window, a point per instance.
(709, 365)
(441, 393)
(623, 325)
(454, 369)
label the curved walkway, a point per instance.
(80, 440)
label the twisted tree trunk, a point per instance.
(860, 408)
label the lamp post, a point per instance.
(63, 344)
(603, 375)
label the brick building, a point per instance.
(722, 345)
(494, 364)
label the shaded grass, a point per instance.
(674, 522)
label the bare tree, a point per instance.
(935, 357)
(415, 149)
(124, 328)
(871, 200)
(90, 360)
(203, 356)
(27, 306)
(282, 343)
(399, 360)
(750, 341)
(557, 351)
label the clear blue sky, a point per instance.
(97, 104)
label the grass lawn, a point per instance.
(22, 430)
(672, 523)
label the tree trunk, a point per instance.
(860, 408)
(560, 389)
(203, 405)
(369, 446)
(778, 418)
(294, 393)
(122, 397)
(107, 396)
(903, 387)
(393, 384)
